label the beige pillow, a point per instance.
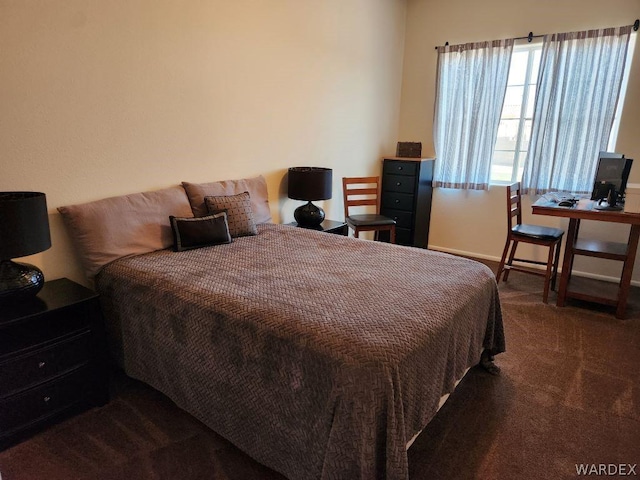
(239, 213)
(256, 186)
(111, 228)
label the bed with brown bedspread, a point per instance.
(320, 356)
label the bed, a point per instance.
(320, 356)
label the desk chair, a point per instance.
(535, 234)
(365, 191)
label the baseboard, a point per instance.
(578, 273)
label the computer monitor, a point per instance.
(611, 178)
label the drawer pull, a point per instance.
(398, 184)
(399, 168)
(46, 399)
(397, 201)
(41, 364)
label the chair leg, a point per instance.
(512, 255)
(356, 233)
(502, 260)
(547, 277)
(392, 234)
(555, 265)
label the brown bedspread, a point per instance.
(320, 356)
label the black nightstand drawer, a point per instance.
(399, 167)
(21, 372)
(403, 219)
(38, 403)
(38, 331)
(397, 201)
(399, 183)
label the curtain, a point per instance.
(578, 85)
(471, 84)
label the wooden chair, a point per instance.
(365, 191)
(535, 234)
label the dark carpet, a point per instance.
(568, 395)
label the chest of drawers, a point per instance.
(52, 359)
(406, 197)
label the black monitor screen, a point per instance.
(613, 169)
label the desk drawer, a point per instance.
(399, 183)
(397, 201)
(41, 365)
(399, 167)
(38, 403)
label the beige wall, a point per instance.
(475, 222)
(107, 97)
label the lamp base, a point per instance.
(308, 215)
(19, 281)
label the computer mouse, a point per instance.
(566, 203)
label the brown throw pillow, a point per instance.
(239, 213)
(190, 232)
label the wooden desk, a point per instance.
(625, 253)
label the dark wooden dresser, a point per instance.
(52, 359)
(406, 197)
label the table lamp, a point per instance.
(309, 184)
(24, 230)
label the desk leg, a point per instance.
(567, 261)
(627, 270)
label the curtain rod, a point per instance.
(531, 36)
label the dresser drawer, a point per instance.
(398, 183)
(403, 219)
(36, 367)
(397, 201)
(399, 167)
(403, 236)
(19, 411)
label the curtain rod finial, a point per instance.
(530, 37)
(636, 25)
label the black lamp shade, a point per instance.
(310, 183)
(24, 230)
(24, 224)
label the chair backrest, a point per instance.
(514, 205)
(361, 191)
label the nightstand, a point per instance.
(328, 226)
(52, 359)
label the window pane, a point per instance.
(507, 134)
(531, 101)
(526, 136)
(535, 67)
(502, 166)
(512, 102)
(518, 68)
(521, 158)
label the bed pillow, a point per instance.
(111, 228)
(256, 186)
(239, 212)
(197, 232)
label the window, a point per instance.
(534, 113)
(514, 131)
